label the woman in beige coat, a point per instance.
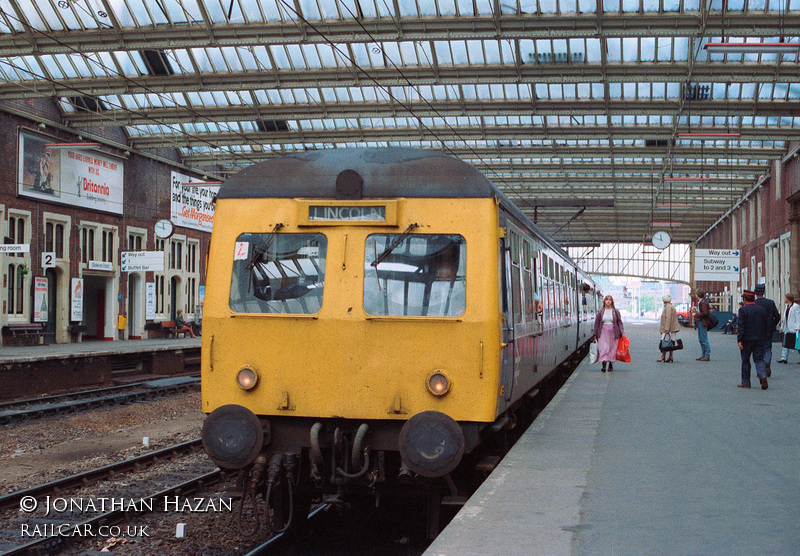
(669, 326)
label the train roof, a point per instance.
(387, 172)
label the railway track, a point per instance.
(25, 410)
(53, 515)
(101, 473)
(270, 544)
(55, 535)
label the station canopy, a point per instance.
(603, 120)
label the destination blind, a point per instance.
(376, 213)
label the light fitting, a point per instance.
(70, 145)
(707, 135)
(752, 47)
(686, 178)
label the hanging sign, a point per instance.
(131, 261)
(15, 248)
(716, 264)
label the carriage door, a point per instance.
(508, 304)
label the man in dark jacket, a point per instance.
(773, 319)
(753, 324)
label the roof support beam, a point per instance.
(503, 27)
(452, 108)
(390, 135)
(618, 72)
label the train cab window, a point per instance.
(278, 273)
(415, 275)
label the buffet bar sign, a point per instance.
(132, 261)
(72, 176)
(192, 206)
(716, 264)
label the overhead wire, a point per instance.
(406, 107)
(113, 71)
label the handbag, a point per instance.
(713, 321)
(670, 345)
(623, 350)
(789, 339)
(593, 352)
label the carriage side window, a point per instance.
(415, 275)
(527, 282)
(278, 273)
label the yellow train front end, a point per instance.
(336, 328)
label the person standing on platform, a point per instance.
(773, 318)
(608, 329)
(753, 324)
(701, 319)
(669, 325)
(790, 326)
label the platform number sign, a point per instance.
(48, 260)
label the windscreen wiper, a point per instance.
(259, 251)
(394, 245)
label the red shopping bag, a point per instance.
(623, 352)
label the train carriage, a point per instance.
(371, 314)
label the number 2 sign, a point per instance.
(241, 251)
(48, 260)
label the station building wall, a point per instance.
(88, 243)
(763, 226)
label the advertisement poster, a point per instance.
(72, 176)
(150, 300)
(192, 206)
(39, 299)
(76, 300)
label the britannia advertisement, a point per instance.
(76, 300)
(192, 205)
(69, 175)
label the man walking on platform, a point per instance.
(703, 324)
(773, 318)
(753, 324)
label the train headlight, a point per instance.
(438, 383)
(247, 378)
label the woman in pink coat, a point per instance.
(608, 329)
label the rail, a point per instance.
(81, 479)
(68, 403)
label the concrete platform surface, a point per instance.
(653, 458)
(21, 354)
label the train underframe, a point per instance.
(301, 461)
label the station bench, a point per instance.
(170, 329)
(27, 332)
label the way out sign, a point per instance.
(716, 264)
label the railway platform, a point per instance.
(652, 458)
(31, 371)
